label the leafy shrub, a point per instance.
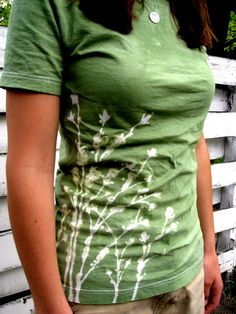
(5, 7)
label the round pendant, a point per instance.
(154, 17)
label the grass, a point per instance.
(228, 299)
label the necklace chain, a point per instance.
(154, 10)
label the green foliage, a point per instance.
(5, 7)
(230, 46)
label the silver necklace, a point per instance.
(154, 16)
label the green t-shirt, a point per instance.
(132, 110)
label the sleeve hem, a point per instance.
(31, 83)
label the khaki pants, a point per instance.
(186, 300)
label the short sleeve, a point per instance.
(33, 57)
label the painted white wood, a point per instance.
(225, 219)
(12, 281)
(230, 148)
(2, 100)
(216, 147)
(21, 306)
(233, 236)
(10, 257)
(3, 187)
(223, 174)
(3, 134)
(220, 101)
(4, 217)
(228, 196)
(226, 260)
(223, 70)
(216, 196)
(232, 98)
(3, 35)
(220, 125)
(228, 264)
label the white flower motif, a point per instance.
(127, 263)
(102, 254)
(174, 226)
(152, 206)
(143, 237)
(108, 272)
(97, 139)
(149, 179)
(170, 214)
(152, 152)
(143, 191)
(66, 188)
(141, 265)
(85, 252)
(107, 181)
(112, 173)
(119, 139)
(128, 182)
(74, 99)
(92, 176)
(145, 119)
(104, 117)
(115, 210)
(145, 223)
(129, 242)
(71, 117)
(75, 174)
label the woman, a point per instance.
(130, 85)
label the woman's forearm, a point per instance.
(31, 209)
(204, 195)
(32, 124)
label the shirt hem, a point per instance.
(30, 82)
(145, 291)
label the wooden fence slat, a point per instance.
(216, 147)
(225, 219)
(216, 196)
(220, 101)
(10, 257)
(220, 125)
(226, 260)
(224, 70)
(3, 189)
(223, 174)
(230, 148)
(13, 281)
(3, 134)
(4, 217)
(2, 100)
(21, 306)
(3, 35)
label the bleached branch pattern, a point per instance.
(84, 178)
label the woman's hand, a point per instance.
(213, 284)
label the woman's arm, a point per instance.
(213, 283)
(32, 121)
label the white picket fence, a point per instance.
(220, 132)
